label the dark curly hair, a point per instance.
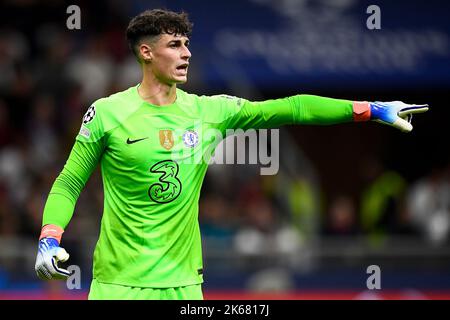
(152, 23)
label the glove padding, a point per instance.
(49, 254)
(396, 113)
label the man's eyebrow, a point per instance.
(178, 41)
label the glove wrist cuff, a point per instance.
(361, 111)
(51, 231)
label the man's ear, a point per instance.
(145, 51)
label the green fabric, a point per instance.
(324, 111)
(149, 235)
(65, 191)
(108, 291)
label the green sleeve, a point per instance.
(299, 109)
(67, 187)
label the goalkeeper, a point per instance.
(149, 245)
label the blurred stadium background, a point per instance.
(346, 196)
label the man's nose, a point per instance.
(186, 54)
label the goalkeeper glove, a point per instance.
(50, 253)
(394, 113)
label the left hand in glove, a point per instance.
(395, 113)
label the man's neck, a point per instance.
(155, 92)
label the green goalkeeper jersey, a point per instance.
(153, 160)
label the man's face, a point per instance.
(170, 58)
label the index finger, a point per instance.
(413, 109)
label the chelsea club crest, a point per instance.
(190, 138)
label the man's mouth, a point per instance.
(183, 66)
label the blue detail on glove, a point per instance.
(49, 254)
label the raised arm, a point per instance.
(317, 110)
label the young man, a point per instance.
(149, 245)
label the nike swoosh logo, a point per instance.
(134, 141)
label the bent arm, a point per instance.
(67, 187)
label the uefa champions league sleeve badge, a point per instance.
(89, 115)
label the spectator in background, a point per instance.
(429, 205)
(53, 48)
(342, 217)
(42, 131)
(217, 221)
(8, 220)
(382, 202)
(262, 231)
(14, 48)
(92, 68)
(14, 173)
